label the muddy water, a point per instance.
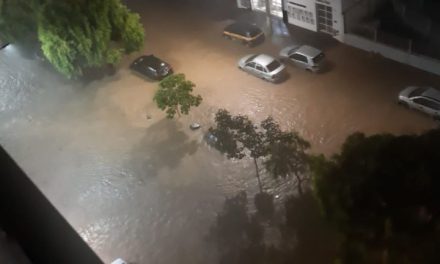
(148, 189)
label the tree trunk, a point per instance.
(300, 190)
(258, 175)
(387, 235)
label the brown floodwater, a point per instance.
(147, 190)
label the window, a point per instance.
(298, 57)
(259, 68)
(250, 64)
(417, 92)
(318, 58)
(301, 15)
(273, 65)
(427, 103)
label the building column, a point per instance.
(268, 17)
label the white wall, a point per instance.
(338, 19)
(418, 61)
(301, 13)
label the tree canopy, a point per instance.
(283, 152)
(174, 95)
(74, 35)
(298, 234)
(383, 193)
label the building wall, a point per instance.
(355, 11)
(316, 15)
(301, 13)
(260, 5)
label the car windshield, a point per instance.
(318, 58)
(273, 65)
(251, 58)
(417, 92)
(253, 32)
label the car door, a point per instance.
(428, 106)
(299, 60)
(152, 73)
(260, 71)
(250, 67)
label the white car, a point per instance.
(119, 261)
(424, 99)
(263, 66)
(306, 57)
(3, 44)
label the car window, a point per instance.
(259, 67)
(417, 92)
(319, 58)
(427, 103)
(273, 65)
(298, 57)
(254, 32)
(250, 64)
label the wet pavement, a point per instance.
(147, 190)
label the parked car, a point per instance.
(424, 99)
(3, 44)
(151, 67)
(247, 34)
(306, 57)
(263, 66)
(211, 140)
(119, 261)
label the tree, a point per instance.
(237, 137)
(300, 236)
(283, 152)
(175, 95)
(286, 153)
(238, 235)
(74, 35)
(383, 194)
(17, 19)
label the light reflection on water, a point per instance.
(144, 190)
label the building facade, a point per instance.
(352, 22)
(260, 5)
(316, 15)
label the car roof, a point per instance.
(241, 28)
(263, 59)
(308, 51)
(432, 93)
(149, 60)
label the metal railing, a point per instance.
(408, 45)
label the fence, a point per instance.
(425, 63)
(408, 45)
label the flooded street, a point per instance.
(147, 190)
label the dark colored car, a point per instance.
(247, 34)
(3, 44)
(151, 67)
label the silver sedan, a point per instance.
(306, 57)
(263, 66)
(424, 99)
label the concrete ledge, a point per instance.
(418, 61)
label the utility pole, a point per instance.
(268, 17)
